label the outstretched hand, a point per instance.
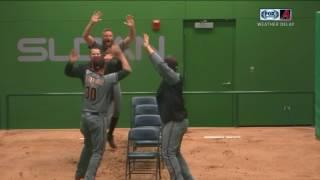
(146, 44)
(129, 21)
(96, 17)
(146, 40)
(73, 56)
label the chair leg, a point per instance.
(159, 168)
(126, 169)
(129, 170)
(161, 158)
(161, 162)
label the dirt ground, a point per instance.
(281, 153)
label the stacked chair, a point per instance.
(142, 105)
(143, 150)
(152, 120)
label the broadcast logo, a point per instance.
(275, 14)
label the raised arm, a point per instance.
(95, 18)
(70, 69)
(164, 70)
(126, 68)
(132, 31)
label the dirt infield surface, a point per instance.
(281, 153)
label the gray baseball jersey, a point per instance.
(98, 88)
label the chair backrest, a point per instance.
(144, 133)
(138, 100)
(147, 120)
(146, 109)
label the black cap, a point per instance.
(172, 62)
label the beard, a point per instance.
(107, 43)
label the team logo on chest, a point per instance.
(93, 81)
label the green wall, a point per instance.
(38, 95)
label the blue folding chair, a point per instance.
(145, 121)
(139, 160)
(144, 109)
(149, 120)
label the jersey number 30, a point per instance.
(91, 93)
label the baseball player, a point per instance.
(113, 65)
(96, 99)
(172, 112)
